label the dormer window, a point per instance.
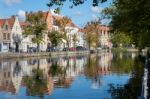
(6, 27)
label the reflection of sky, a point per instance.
(81, 87)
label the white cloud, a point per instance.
(21, 15)
(11, 2)
(95, 17)
(78, 13)
(96, 9)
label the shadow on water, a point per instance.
(132, 89)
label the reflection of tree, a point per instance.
(122, 65)
(92, 69)
(133, 88)
(55, 70)
(17, 68)
(60, 72)
(35, 87)
(36, 84)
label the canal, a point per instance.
(103, 76)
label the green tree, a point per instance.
(62, 23)
(120, 39)
(75, 39)
(73, 2)
(35, 28)
(55, 37)
(91, 34)
(131, 17)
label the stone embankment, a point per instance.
(40, 54)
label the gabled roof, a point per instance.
(9, 20)
(2, 21)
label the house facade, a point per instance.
(5, 32)
(104, 37)
(16, 33)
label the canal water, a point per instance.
(103, 76)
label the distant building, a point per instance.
(104, 37)
(5, 30)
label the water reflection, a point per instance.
(44, 77)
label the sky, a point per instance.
(79, 15)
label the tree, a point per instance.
(36, 28)
(63, 23)
(91, 34)
(74, 2)
(120, 38)
(131, 17)
(75, 39)
(17, 40)
(55, 37)
(96, 24)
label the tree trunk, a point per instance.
(38, 47)
(17, 47)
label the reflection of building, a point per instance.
(14, 74)
(104, 37)
(105, 62)
(10, 77)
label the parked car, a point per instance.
(66, 49)
(32, 49)
(80, 48)
(72, 49)
(50, 49)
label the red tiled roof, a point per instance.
(10, 21)
(2, 21)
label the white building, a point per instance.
(104, 37)
(16, 34)
(5, 30)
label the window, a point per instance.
(6, 27)
(8, 36)
(4, 36)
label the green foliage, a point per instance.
(73, 2)
(55, 37)
(36, 27)
(35, 87)
(120, 39)
(131, 17)
(91, 33)
(128, 90)
(62, 23)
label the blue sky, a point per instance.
(80, 14)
